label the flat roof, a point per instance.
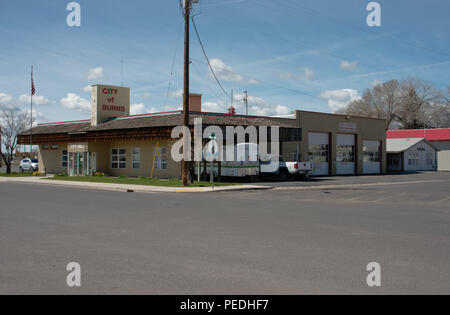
(340, 115)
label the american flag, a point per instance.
(33, 90)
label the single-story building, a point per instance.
(440, 138)
(411, 155)
(115, 143)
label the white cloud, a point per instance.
(338, 99)
(9, 102)
(37, 100)
(256, 106)
(214, 107)
(38, 117)
(95, 73)
(87, 89)
(375, 83)
(139, 109)
(349, 65)
(307, 74)
(75, 102)
(172, 108)
(224, 72)
(176, 94)
(5, 99)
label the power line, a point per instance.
(173, 68)
(207, 59)
(266, 82)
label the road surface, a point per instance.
(283, 241)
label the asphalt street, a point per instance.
(281, 241)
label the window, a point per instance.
(118, 158)
(54, 147)
(371, 154)
(413, 159)
(64, 158)
(45, 147)
(136, 158)
(161, 159)
(346, 153)
(319, 153)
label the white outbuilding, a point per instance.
(411, 155)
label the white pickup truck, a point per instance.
(284, 170)
(248, 163)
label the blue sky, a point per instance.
(288, 54)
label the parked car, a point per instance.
(284, 170)
(29, 165)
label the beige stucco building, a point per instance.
(141, 145)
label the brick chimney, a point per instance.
(195, 103)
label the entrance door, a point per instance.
(92, 163)
(78, 164)
(346, 155)
(319, 153)
(372, 157)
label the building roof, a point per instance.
(401, 145)
(429, 134)
(171, 119)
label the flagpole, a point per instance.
(31, 130)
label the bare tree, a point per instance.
(417, 98)
(438, 116)
(410, 104)
(12, 123)
(380, 102)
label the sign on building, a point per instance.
(348, 127)
(109, 102)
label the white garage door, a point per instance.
(319, 152)
(371, 157)
(345, 163)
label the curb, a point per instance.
(133, 188)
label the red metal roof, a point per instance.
(429, 134)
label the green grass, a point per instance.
(16, 175)
(134, 181)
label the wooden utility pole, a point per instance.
(246, 102)
(184, 163)
(31, 130)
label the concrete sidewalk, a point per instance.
(126, 188)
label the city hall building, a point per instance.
(117, 144)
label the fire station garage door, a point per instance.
(319, 152)
(345, 164)
(371, 158)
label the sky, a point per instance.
(315, 55)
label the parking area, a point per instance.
(356, 180)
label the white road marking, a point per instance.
(360, 185)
